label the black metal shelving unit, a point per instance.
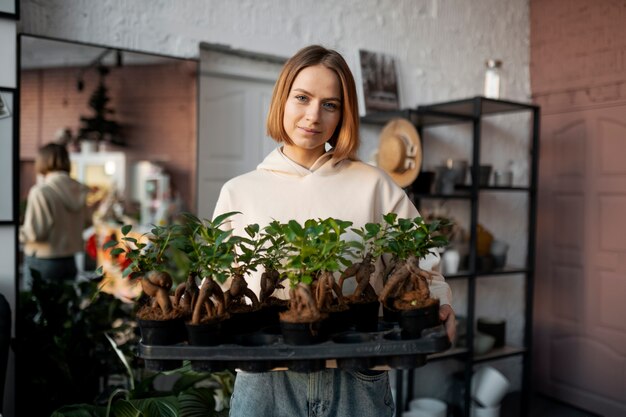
(472, 111)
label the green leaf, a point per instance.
(197, 402)
(124, 408)
(79, 410)
(156, 407)
(219, 220)
(126, 229)
(295, 228)
(110, 244)
(117, 251)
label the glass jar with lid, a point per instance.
(493, 74)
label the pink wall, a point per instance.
(578, 77)
(156, 104)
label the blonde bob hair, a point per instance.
(345, 139)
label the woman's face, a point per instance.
(312, 110)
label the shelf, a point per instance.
(500, 353)
(448, 354)
(476, 106)
(507, 270)
(461, 111)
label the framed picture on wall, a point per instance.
(10, 9)
(379, 81)
(7, 125)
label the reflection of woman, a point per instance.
(55, 217)
(314, 106)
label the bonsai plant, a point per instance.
(160, 319)
(210, 252)
(406, 285)
(364, 300)
(314, 252)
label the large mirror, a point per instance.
(129, 121)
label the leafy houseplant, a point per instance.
(313, 252)
(149, 257)
(406, 286)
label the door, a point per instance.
(235, 89)
(580, 315)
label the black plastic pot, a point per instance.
(257, 339)
(365, 316)
(302, 333)
(412, 322)
(206, 334)
(162, 332)
(355, 363)
(337, 322)
(390, 315)
(401, 361)
(242, 323)
(268, 315)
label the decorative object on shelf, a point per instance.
(493, 78)
(99, 127)
(494, 327)
(459, 167)
(489, 386)
(379, 81)
(423, 184)
(428, 407)
(484, 175)
(450, 261)
(483, 343)
(498, 251)
(445, 180)
(400, 151)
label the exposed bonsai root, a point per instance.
(362, 271)
(270, 282)
(324, 287)
(186, 294)
(302, 306)
(238, 290)
(157, 284)
(212, 307)
(407, 286)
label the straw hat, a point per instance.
(400, 151)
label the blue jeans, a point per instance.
(328, 393)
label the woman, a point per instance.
(313, 108)
(55, 217)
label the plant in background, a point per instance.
(409, 240)
(149, 257)
(62, 347)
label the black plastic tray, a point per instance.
(266, 351)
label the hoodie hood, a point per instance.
(71, 193)
(278, 163)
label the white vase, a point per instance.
(451, 259)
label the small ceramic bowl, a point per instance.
(483, 343)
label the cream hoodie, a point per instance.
(280, 189)
(55, 217)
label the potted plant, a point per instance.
(314, 252)
(147, 259)
(363, 301)
(406, 286)
(210, 253)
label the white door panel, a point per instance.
(232, 113)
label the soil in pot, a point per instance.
(365, 315)
(413, 321)
(162, 332)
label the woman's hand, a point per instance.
(446, 315)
